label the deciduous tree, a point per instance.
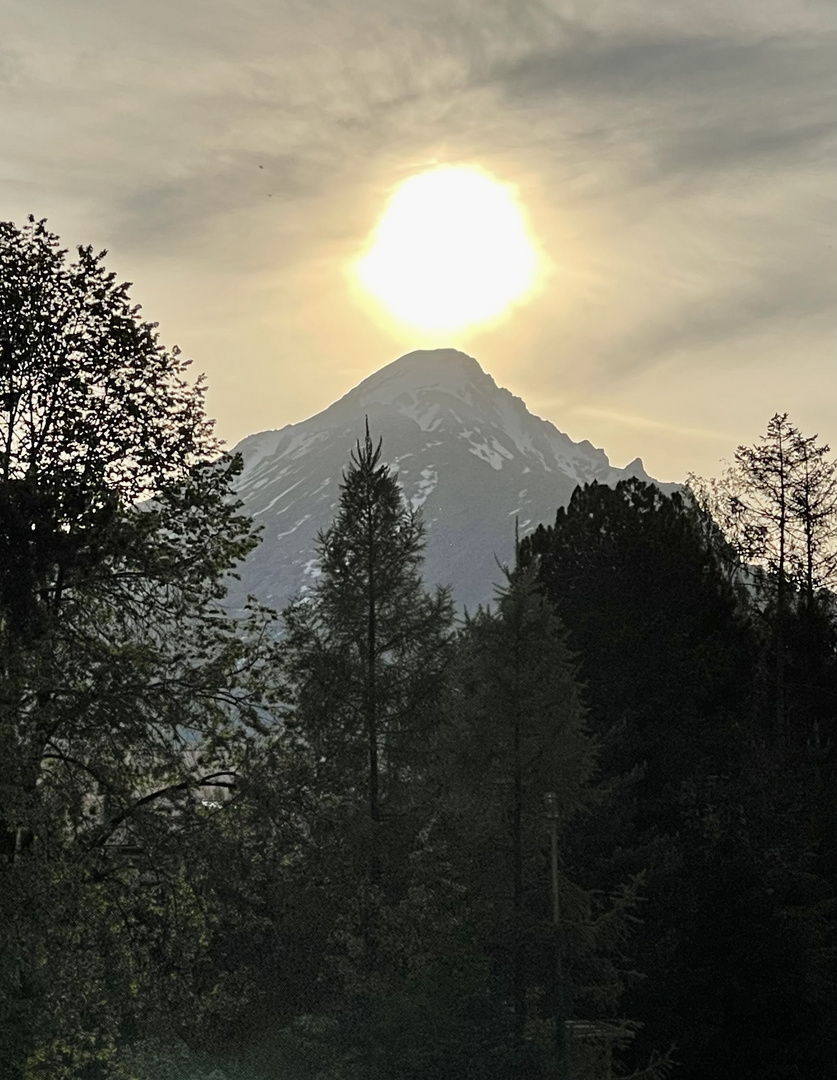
(124, 689)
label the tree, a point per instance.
(94, 414)
(444, 924)
(518, 753)
(777, 505)
(642, 582)
(365, 657)
(728, 826)
(124, 689)
(750, 986)
(521, 733)
(639, 580)
(368, 649)
(814, 507)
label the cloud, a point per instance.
(178, 101)
(683, 153)
(701, 102)
(647, 423)
(773, 304)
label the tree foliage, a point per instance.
(330, 856)
(367, 650)
(662, 613)
(519, 740)
(638, 578)
(777, 505)
(124, 690)
(365, 657)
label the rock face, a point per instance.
(467, 452)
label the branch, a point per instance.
(218, 779)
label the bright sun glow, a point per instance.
(450, 251)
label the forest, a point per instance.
(585, 833)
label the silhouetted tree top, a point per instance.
(89, 397)
(640, 580)
(95, 417)
(777, 505)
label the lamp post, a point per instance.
(551, 804)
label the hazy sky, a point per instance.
(675, 162)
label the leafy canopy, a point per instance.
(125, 691)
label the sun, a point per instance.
(450, 251)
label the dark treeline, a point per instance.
(586, 833)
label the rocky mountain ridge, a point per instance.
(467, 452)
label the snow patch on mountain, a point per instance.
(426, 486)
(489, 460)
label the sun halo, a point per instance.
(450, 251)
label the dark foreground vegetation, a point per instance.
(586, 833)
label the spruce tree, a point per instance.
(518, 743)
(367, 651)
(640, 580)
(637, 577)
(365, 659)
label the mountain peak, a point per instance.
(429, 357)
(441, 371)
(433, 360)
(468, 452)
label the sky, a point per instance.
(674, 163)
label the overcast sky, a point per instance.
(675, 162)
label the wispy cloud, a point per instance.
(648, 423)
(685, 150)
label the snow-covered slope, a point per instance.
(467, 452)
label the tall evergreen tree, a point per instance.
(368, 649)
(669, 644)
(638, 578)
(777, 504)
(519, 740)
(365, 657)
(523, 735)
(641, 582)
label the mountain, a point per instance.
(467, 451)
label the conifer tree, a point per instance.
(777, 504)
(366, 652)
(365, 657)
(520, 735)
(637, 578)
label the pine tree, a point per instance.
(777, 505)
(365, 657)
(637, 577)
(520, 735)
(367, 651)
(641, 581)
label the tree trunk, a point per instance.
(519, 979)
(371, 683)
(781, 595)
(518, 972)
